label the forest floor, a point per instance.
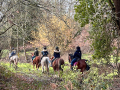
(31, 81)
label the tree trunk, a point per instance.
(24, 49)
(117, 12)
(0, 53)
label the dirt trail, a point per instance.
(116, 84)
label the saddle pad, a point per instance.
(75, 64)
(33, 58)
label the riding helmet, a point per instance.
(13, 48)
(78, 48)
(45, 47)
(57, 48)
(36, 49)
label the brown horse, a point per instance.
(36, 61)
(81, 64)
(57, 63)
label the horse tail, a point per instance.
(60, 62)
(46, 61)
(87, 66)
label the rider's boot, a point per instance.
(71, 67)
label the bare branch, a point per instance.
(7, 29)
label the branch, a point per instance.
(6, 29)
(111, 4)
(46, 9)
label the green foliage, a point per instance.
(84, 11)
(5, 53)
(95, 78)
(98, 15)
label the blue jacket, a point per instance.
(13, 53)
(77, 53)
(44, 53)
(56, 54)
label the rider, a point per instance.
(36, 53)
(44, 52)
(12, 53)
(77, 55)
(56, 54)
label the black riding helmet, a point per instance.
(78, 48)
(36, 48)
(45, 47)
(13, 48)
(57, 48)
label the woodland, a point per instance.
(94, 25)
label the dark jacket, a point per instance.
(13, 53)
(36, 53)
(44, 52)
(56, 54)
(77, 53)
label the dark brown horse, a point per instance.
(57, 63)
(81, 64)
(36, 61)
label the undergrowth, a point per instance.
(27, 78)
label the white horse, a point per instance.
(45, 62)
(14, 60)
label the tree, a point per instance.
(104, 23)
(53, 32)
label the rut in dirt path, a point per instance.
(44, 78)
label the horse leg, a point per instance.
(47, 68)
(82, 70)
(10, 63)
(33, 65)
(15, 62)
(36, 65)
(42, 68)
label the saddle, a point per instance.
(43, 56)
(78, 59)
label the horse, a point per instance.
(36, 61)
(81, 64)
(45, 62)
(13, 60)
(57, 63)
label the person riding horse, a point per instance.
(56, 54)
(12, 53)
(44, 52)
(77, 55)
(36, 53)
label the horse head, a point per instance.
(70, 57)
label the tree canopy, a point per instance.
(103, 17)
